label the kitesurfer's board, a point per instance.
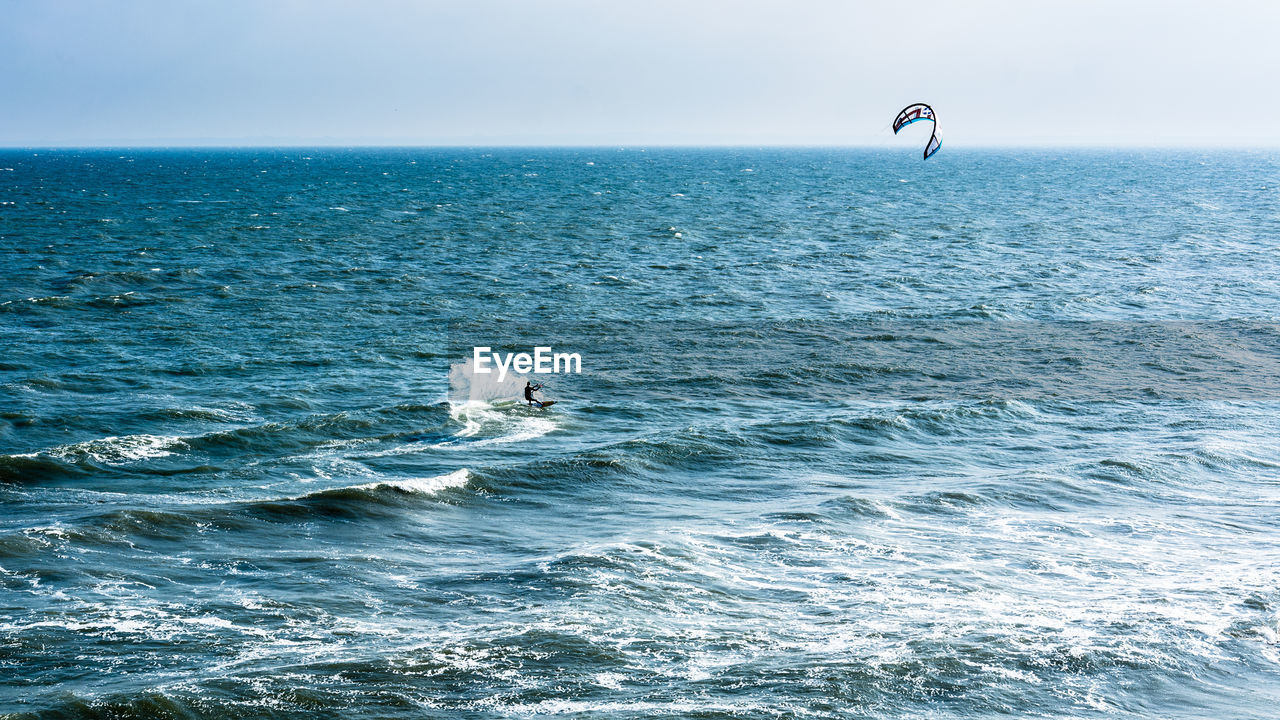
(547, 403)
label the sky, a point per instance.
(651, 72)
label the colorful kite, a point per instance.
(915, 113)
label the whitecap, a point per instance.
(425, 486)
(120, 450)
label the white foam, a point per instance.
(478, 417)
(426, 486)
(122, 449)
(529, 429)
(610, 680)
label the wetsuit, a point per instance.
(528, 392)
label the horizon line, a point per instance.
(626, 146)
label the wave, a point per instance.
(80, 459)
(348, 436)
(35, 469)
(236, 412)
(113, 278)
(267, 437)
(409, 486)
(120, 450)
(360, 501)
(151, 704)
(123, 526)
(61, 301)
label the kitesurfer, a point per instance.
(529, 390)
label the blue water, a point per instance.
(993, 435)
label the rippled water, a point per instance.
(855, 436)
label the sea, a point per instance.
(853, 435)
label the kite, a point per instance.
(915, 113)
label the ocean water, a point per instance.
(993, 435)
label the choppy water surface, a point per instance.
(856, 436)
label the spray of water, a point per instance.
(472, 397)
(467, 387)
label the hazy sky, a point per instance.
(235, 72)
